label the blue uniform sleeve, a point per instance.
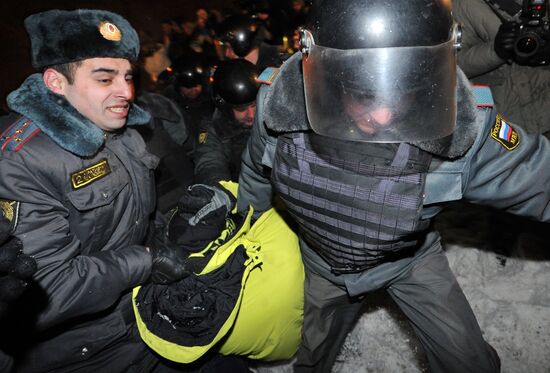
(509, 169)
(254, 185)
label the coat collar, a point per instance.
(59, 120)
(285, 110)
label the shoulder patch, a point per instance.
(90, 174)
(268, 75)
(17, 135)
(202, 137)
(483, 96)
(10, 210)
(505, 134)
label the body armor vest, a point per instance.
(357, 204)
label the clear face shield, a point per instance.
(397, 94)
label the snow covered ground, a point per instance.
(508, 287)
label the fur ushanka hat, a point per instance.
(61, 36)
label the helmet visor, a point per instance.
(381, 94)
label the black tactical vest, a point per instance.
(357, 204)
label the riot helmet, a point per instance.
(189, 71)
(234, 83)
(241, 33)
(380, 70)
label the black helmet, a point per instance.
(189, 71)
(234, 83)
(380, 70)
(241, 32)
(380, 23)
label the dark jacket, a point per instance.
(194, 111)
(221, 144)
(83, 201)
(522, 93)
(269, 56)
(166, 136)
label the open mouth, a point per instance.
(121, 110)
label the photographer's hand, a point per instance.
(504, 40)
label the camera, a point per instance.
(534, 33)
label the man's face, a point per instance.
(102, 91)
(245, 114)
(191, 92)
(368, 117)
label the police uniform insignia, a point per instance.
(109, 31)
(202, 137)
(10, 210)
(17, 135)
(268, 75)
(504, 134)
(483, 96)
(88, 175)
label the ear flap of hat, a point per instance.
(60, 36)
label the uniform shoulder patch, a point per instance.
(90, 174)
(17, 135)
(268, 75)
(483, 96)
(10, 210)
(202, 137)
(503, 133)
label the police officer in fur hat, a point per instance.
(79, 182)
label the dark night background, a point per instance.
(143, 15)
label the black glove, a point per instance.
(194, 238)
(169, 263)
(505, 38)
(16, 268)
(206, 203)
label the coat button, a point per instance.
(84, 350)
(105, 195)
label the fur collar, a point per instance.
(285, 111)
(54, 115)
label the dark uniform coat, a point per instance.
(221, 144)
(82, 201)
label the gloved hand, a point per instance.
(206, 203)
(504, 40)
(169, 263)
(194, 238)
(15, 267)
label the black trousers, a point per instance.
(429, 296)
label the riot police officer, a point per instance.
(364, 135)
(240, 36)
(222, 140)
(191, 90)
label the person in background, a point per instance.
(521, 90)
(167, 136)
(191, 90)
(239, 36)
(223, 139)
(80, 184)
(202, 38)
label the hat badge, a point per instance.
(109, 31)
